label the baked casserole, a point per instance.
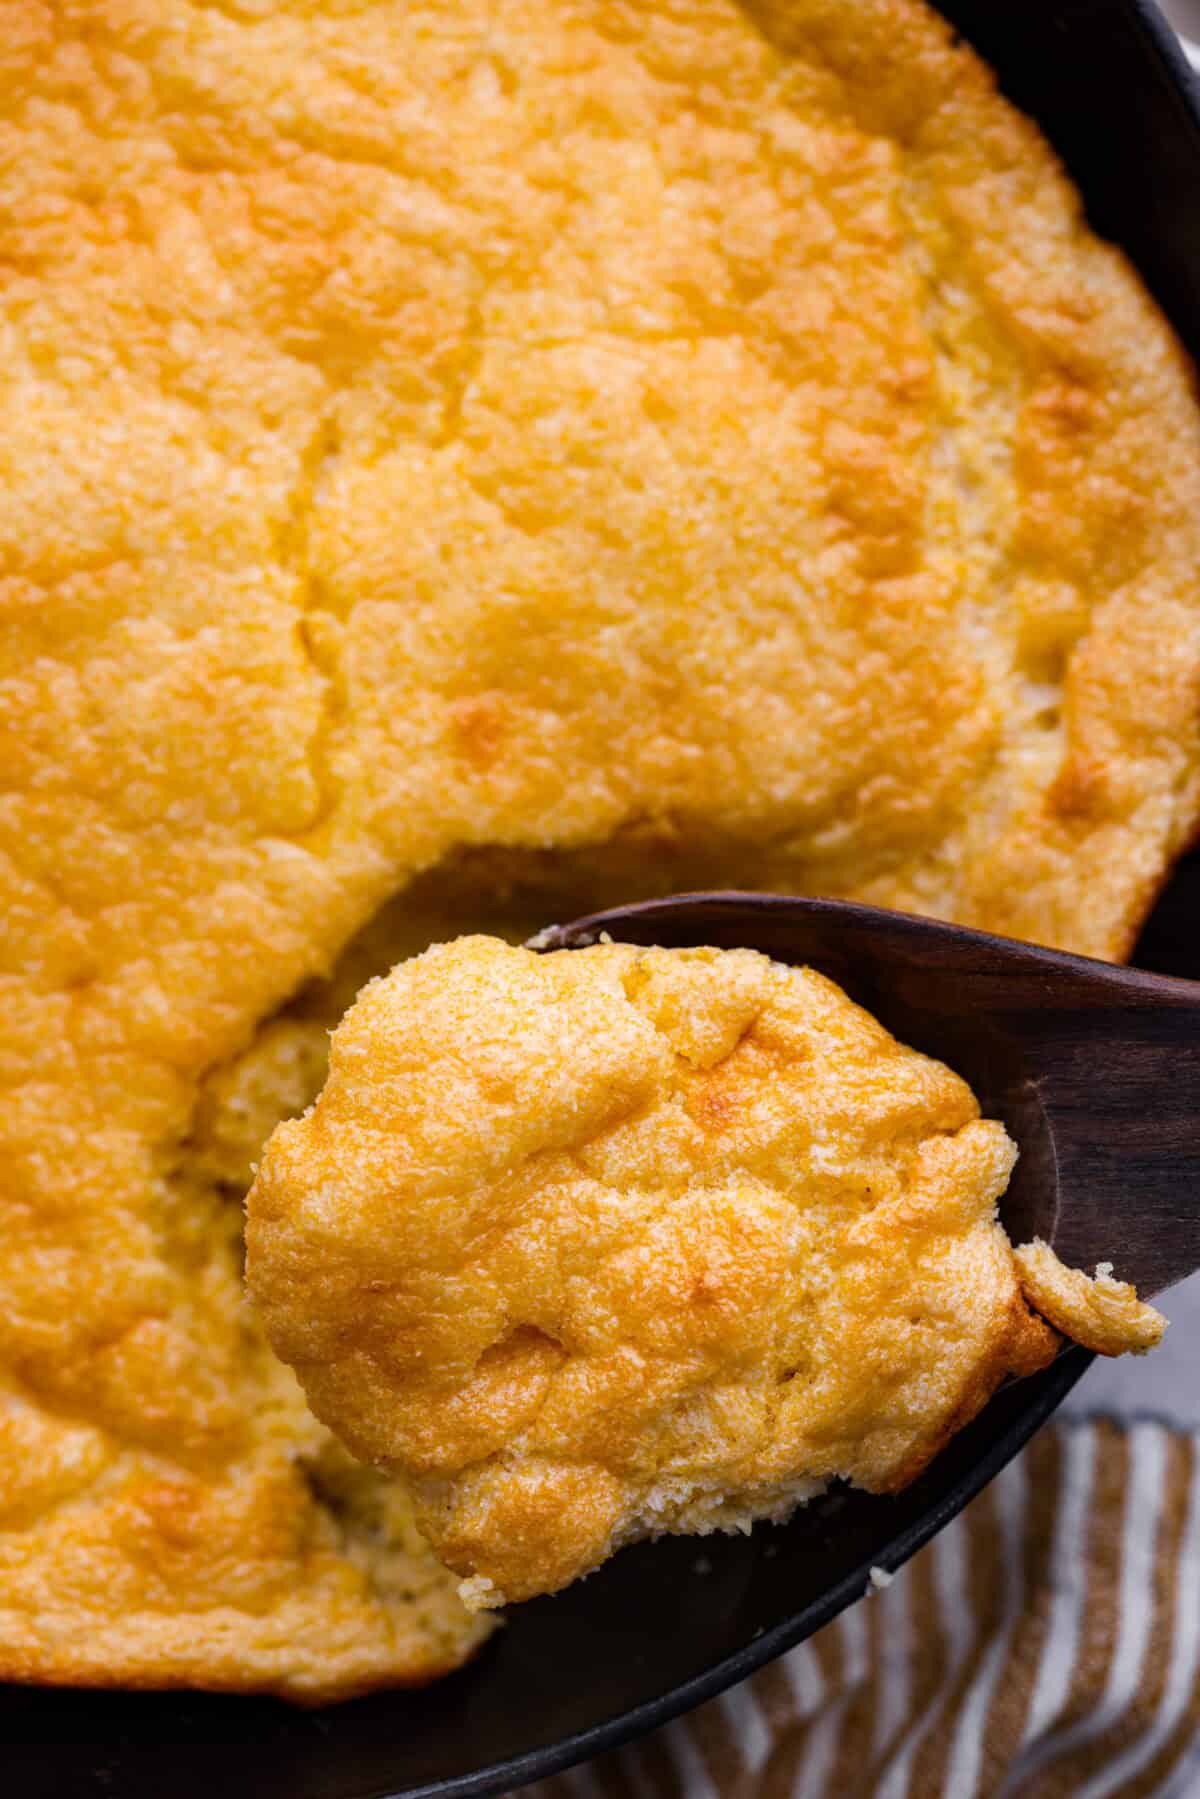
(463, 463)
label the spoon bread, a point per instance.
(496, 450)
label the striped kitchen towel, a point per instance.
(1046, 1645)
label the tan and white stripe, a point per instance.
(1045, 1646)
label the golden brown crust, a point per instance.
(609, 1242)
(1103, 1314)
(799, 497)
(1023, 1345)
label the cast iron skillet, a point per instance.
(648, 1637)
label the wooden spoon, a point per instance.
(1094, 1069)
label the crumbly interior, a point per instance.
(700, 442)
(610, 1242)
(1103, 1314)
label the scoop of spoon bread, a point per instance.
(610, 1242)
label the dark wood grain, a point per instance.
(1094, 1069)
